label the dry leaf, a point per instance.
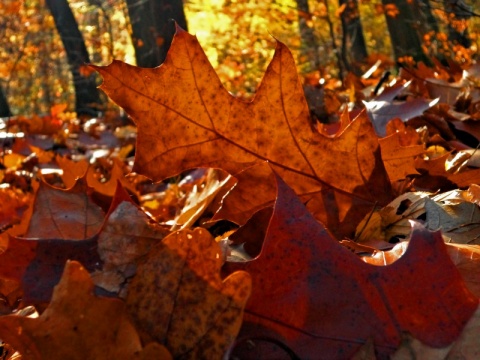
(339, 302)
(76, 324)
(399, 160)
(64, 214)
(178, 299)
(127, 236)
(202, 125)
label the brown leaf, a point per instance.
(127, 236)
(202, 125)
(76, 324)
(399, 160)
(178, 299)
(64, 214)
(467, 260)
(394, 219)
(199, 199)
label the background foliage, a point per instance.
(237, 35)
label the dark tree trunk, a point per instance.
(403, 29)
(152, 28)
(4, 108)
(460, 11)
(309, 47)
(425, 17)
(353, 41)
(87, 95)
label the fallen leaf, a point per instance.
(202, 125)
(391, 92)
(340, 302)
(466, 346)
(459, 220)
(366, 352)
(64, 214)
(199, 199)
(75, 325)
(126, 237)
(381, 112)
(71, 170)
(107, 188)
(466, 259)
(394, 219)
(155, 351)
(37, 264)
(178, 299)
(453, 212)
(446, 92)
(399, 160)
(408, 136)
(411, 348)
(12, 205)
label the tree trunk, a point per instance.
(152, 30)
(403, 29)
(4, 108)
(87, 96)
(353, 41)
(457, 29)
(425, 17)
(309, 47)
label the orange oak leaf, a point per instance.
(399, 160)
(187, 119)
(316, 297)
(116, 174)
(75, 325)
(72, 170)
(64, 214)
(178, 299)
(12, 205)
(436, 175)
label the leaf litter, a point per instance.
(281, 285)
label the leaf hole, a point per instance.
(404, 205)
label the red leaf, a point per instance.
(38, 264)
(316, 297)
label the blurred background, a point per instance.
(46, 44)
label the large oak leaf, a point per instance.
(316, 297)
(187, 119)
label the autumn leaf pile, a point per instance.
(246, 229)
